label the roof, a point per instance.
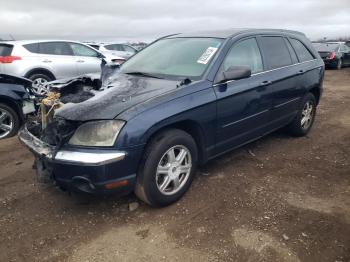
(232, 32)
(23, 42)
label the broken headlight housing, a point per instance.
(97, 133)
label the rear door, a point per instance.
(87, 59)
(308, 69)
(281, 70)
(58, 58)
(242, 105)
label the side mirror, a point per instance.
(235, 73)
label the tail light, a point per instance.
(9, 59)
(331, 55)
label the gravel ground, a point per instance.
(278, 199)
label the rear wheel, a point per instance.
(39, 84)
(9, 121)
(305, 118)
(168, 168)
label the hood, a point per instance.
(118, 94)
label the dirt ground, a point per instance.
(278, 199)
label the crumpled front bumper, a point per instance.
(43, 149)
(88, 170)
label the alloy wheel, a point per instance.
(6, 123)
(39, 86)
(173, 170)
(307, 115)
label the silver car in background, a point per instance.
(46, 60)
(122, 50)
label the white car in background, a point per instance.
(122, 50)
(43, 61)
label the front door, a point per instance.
(87, 59)
(242, 105)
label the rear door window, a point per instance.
(292, 52)
(302, 52)
(55, 48)
(276, 52)
(5, 49)
(244, 53)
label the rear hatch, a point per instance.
(5, 50)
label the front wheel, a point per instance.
(167, 169)
(302, 123)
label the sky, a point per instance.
(145, 20)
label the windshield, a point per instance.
(174, 57)
(326, 47)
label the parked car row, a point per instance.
(121, 50)
(178, 103)
(334, 54)
(46, 60)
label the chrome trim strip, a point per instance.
(267, 71)
(88, 158)
(285, 103)
(232, 123)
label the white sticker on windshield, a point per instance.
(204, 59)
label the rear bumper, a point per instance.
(87, 170)
(331, 62)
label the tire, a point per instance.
(296, 127)
(39, 82)
(10, 119)
(152, 184)
(339, 64)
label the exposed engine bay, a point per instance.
(55, 131)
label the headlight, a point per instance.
(97, 133)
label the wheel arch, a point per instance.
(11, 103)
(191, 127)
(316, 91)
(40, 71)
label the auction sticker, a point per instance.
(207, 55)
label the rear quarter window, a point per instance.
(302, 52)
(5, 49)
(276, 52)
(33, 48)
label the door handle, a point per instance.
(80, 61)
(265, 83)
(300, 72)
(47, 61)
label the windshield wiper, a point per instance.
(143, 74)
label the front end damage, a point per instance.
(47, 135)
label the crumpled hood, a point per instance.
(119, 94)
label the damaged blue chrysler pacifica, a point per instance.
(176, 104)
